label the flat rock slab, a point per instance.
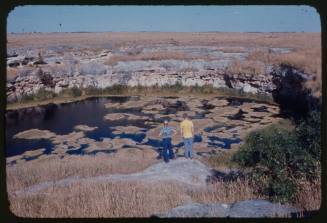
(259, 209)
(128, 130)
(120, 142)
(196, 210)
(114, 116)
(34, 152)
(35, 134)
(132, 117)
(190, 172)
(242, 209)
(184, 171)
(84, 128)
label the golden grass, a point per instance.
(119, 199)
(165, 55)
(53, 168)
(123, 199)
(233, 50)
(309, 197)
(307, 59)
(293, 40)
(246, 67)
(139, 199)
(221, 160)
(225, 192)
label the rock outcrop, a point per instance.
(242, 209)
(89, 68)
(290, 87)
(186, 172)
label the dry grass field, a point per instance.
(121, 198)
(53, 168)
(293, 40)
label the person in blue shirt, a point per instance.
(166, 133)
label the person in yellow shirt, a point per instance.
(187, 133)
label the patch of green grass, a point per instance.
(70, 92)
(221, 160)
(174, 89)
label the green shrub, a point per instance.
(205, 89)
(115, 89)
(75, 91)
(173, 88)
(45, 78)
(43, 94)
(71, 92)
(276, 156)
(309, 133)
(27, 97)
(92, 91)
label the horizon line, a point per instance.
(164, 32)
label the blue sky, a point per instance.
(164, 19)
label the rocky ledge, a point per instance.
(58, 69)
(241, 209)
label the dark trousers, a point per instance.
(167, 151)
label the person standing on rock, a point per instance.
(187, 133)
(166, 133)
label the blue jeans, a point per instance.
(188, 147)
(167, 151)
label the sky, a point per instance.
(163, 19)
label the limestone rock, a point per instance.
(35, 134)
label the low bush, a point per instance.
(75, 91)
(205, 89)
(43, 94)
(115, 89)
(173, 88)
(276, 157)
(92, 91)
(70, 92)
(45, 78)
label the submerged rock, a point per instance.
(114, 116)
(84, 128)
(128, 130)
(104, 145)
(32, 153)
(121, 142)
(35, 134)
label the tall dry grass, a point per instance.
(119, 199)
(225, 192)
(164, 55)
(309, 196)
(246, 67)
(123, 199)
(307, 59)
(117, 39)
(126, 198)
(36, 171)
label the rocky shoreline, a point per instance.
(58, 68)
